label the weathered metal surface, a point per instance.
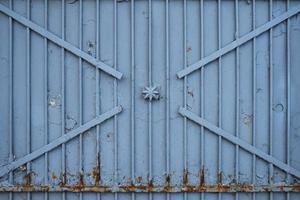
(162, 96)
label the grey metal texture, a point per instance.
(149, 99)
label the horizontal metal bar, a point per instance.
(238, 42)
(149, 188)
(45, 33)
(63, 139)
(186, 113)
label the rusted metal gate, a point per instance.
(173, 99)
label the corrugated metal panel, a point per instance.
(149, 96)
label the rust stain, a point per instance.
(129, 188)
(31, 188)
(45, 189)
(86, 189)
(168, 187)
(98, 166)
(54, 177)
(168, 179)
(151, 188)
(96, 175)
(28, 179)
(185, 177)
(220, 175)
(81, 182)
(27, 188)
(266, 189)
(80, 187)
(296, 188)
(223, 188)
(188, 188)
(202, 176)
(248, 188)
(133, 188)
(139, 179)
(63, 178)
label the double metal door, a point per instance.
(149, 96)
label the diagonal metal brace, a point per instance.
(238, 42)
(66, 45)
(63, 139)
(214, 129)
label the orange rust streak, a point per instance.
(295, 188)
(96, 175)
(80, 187)
(150, 186)
(139, 179)
(54, 177)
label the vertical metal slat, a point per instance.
(115, 99)
(150, 84)
(202, 180)
(80, 100)
(237, 122)
(28, 97)
(168, 181)
(185, 164)
(46, 96)
(132, 98)
(254, 96)
(98, 131)
(271, 97)
(219, 98)
(63, 148)
(288, 121)
(11, 153)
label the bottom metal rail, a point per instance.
(151, 188)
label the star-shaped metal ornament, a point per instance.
(151, 92)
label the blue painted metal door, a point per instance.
(172, 99)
